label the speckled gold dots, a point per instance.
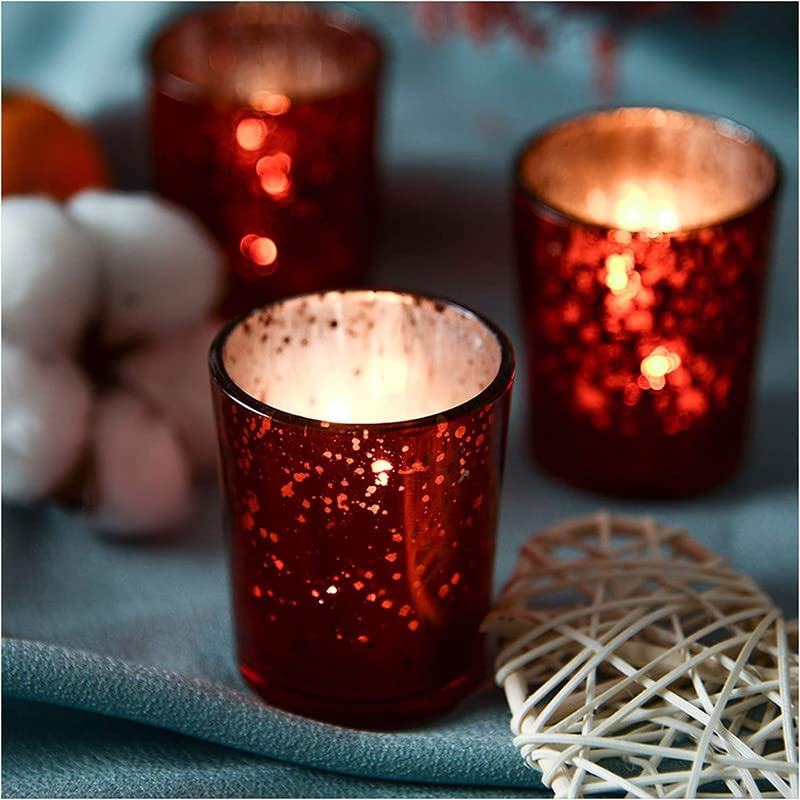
(384, 511)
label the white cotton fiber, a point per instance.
(160, 269)
(172, 375)
(142, 477)
(45, 419)
(49, 276)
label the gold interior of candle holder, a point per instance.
(639, 168)
(362, 356)
(246, 52)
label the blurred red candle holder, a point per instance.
(264, 124)
(362, 438)
(642, 242)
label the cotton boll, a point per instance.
(142, 483)
(49, 275)
(161, 270)
(172, 375)
(45, 420)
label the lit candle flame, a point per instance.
(337, 409)
(631, 206)
(639, 209)
(390, 377)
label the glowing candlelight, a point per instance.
(362, 435)
(643, 237)
(337, 409)
(264, 127)
(640, 209)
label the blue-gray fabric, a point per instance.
(118, 672)
(53, 751)
(141, 633)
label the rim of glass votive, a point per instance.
(188, 90)
(496, 388)
(720, 122)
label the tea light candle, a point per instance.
(642, 239)
(362, 436)
(264, 119)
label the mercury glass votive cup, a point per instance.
(264, 125)
(362, 437)
(642, 240)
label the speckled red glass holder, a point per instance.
(640, 381)
(285, 181)
(361, 555)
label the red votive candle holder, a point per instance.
(642, 241)
(264, 125)
(362, 436)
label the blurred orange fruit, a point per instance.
(45, 153)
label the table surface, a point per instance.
(454, 115)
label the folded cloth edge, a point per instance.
(230, 717)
